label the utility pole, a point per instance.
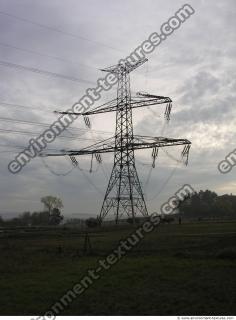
(124, 195)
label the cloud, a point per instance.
(195, 67)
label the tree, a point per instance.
(92, 222)
(55, 217)
(53, 205)
(25, 218)
(51, 202)
(40, 218)
(207, 204)
(223, 207)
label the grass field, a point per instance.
(187, 269)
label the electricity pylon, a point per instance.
(124, 193)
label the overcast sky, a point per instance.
(195, 66)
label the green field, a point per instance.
(187, 269)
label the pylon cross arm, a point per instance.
(124, 66)
(108, 146)
(112, 106)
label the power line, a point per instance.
(78, 130)
(12, 105)
(164, 184)
(44, 55)
(7, 151)
(19, 147)
(38, 133)
(54, 172)
(58, 30)
(47, 73)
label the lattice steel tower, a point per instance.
(124, 195)
(124, 192)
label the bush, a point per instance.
(133, 221)
(227, 254)
(92, 223)
(167, 219)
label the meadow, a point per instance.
(187, 269)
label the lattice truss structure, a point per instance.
(124, 195)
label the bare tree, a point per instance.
(51, 203)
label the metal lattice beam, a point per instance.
(124, 195)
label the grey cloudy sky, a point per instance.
(195, 66)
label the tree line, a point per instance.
(199, 205)
(207, 204)
(51, 215)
